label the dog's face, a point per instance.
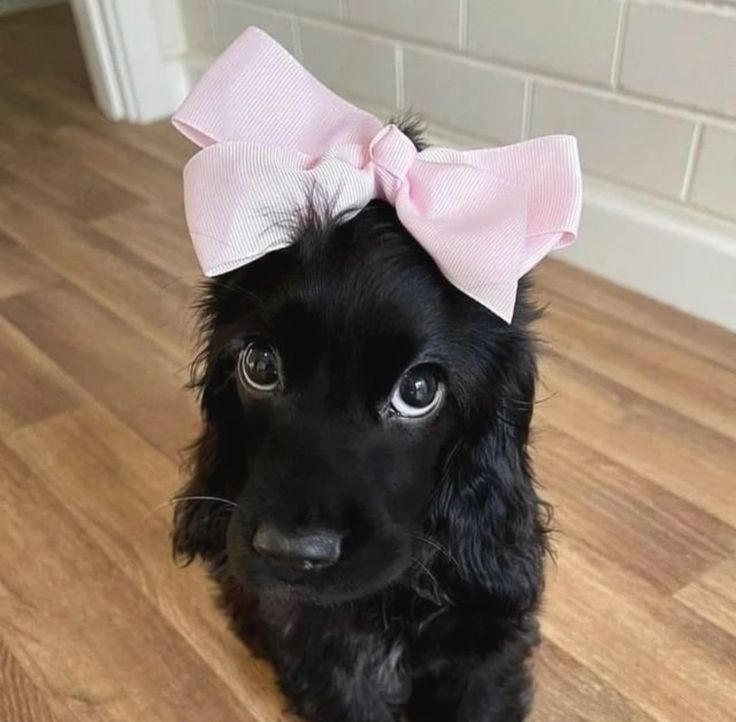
(340, 374)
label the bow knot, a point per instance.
(270, 133)
(392, 153)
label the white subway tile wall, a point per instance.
(434, 21)
(328, 8)
(351, 63)
(573, 38)
(232, 17)
(624, 143)
(463, 96)
(714, 185)
(197, 22)
(677, 55)
(648, 86)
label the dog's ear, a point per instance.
(200, 518)
(486, 510)
(200, 524)
(192, 534)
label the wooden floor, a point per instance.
(634, 446)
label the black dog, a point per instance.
(383, 544)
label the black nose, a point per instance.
(308, 549)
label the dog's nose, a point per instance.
(308, 549)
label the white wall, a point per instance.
(648, 86)
(169, 28)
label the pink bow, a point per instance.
(271, 133)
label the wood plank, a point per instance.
(156, 236)
(659, 655)
(20, 699)
(567, 691)
(47, 168)
(694, 387)
(556, 279)
(24, 117)
(43, 44)
(124, 517)
(713, 596)
(126, 372)
(20, 270)
(663, 446)
(150, 299)
(158, 140)
(139, 173)
(653, 533)
(31, 386)
(105, 651)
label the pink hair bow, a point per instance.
(270, 133)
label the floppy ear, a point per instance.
(486, 510)
(200, 524)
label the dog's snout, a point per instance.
(306, 549)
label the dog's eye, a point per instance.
(258, 366)
(418, 392)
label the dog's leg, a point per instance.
(491, 690)
(354, 682)
(342, 698)
(336, 664)
(485, 682)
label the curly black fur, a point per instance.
(434, 614)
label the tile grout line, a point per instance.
(296, 37)
(692, 159)
(618, 47)
(212, 22)
(528, 107)
(399, 76)
(462, 24)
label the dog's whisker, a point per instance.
(178, 499)
(427, 571)
(188, 281)
(212, 520)
(439, 547)
(156, 509)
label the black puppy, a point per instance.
(366, 423)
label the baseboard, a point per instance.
(679, 257)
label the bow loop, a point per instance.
(271, 133)
(392, 153)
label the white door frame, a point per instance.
(131, 78)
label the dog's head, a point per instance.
(367, 419)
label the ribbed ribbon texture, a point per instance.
(272, 136)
